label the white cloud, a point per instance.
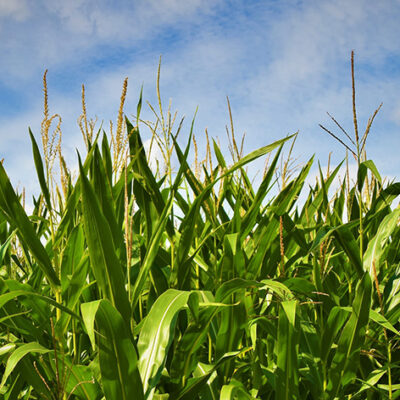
(168, 11)
(283, 65)
(15, 9)
(57, 33)
(74, 15)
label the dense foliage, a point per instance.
(133, 282)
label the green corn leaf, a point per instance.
(142, 168)
(7, 348)
(376, 317)
(89, 311)
(385, 198)
(4, 247)
(139, 104)
(40, 170)
(346, 358)
(156, 336)
(250, 218)
(194, 385)
(13, 390)
(234, 390)
(362, 173)
(219, 155)
(16, 216)
(105, 264)
(286, 380)
(256, 154)
(6, 297)
(336, 320)
(193, 182)
(346, 239)
(184, 360)
(309, 210)
(182, 157)
(376, 246)
(234, 285)
(232, 321)
(286, 198)
(103, 191)
(151, 253)
(117, 354)
(381, 320)
(31, 377)
(73, 289)
(325, 231)
(372, 379)
(68, 217)
(82, 384)
(107, 160)
(278, 288)
(18, 354)
(72, 255)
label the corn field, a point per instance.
(189, 281)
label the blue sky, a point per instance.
(283, 64)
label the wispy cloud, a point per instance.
(17, 10)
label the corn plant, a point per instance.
(192, 282)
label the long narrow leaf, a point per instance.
(17, 218)
(118, 358)
(346, 359)
(105, 264)
(18, 354)
(40, 171)
(155, 337)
